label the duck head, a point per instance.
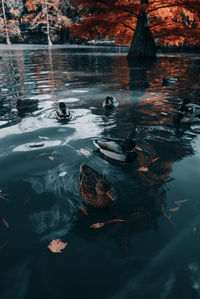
(62, 107)
(110, 102)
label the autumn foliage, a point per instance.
(171, 22)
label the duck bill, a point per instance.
(110, 196)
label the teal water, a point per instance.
(155, 254)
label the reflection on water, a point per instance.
(157, 247)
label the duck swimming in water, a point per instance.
(188, 112)
(117, 149)
(110, 103)
(27, 104)
(63, 113)
(169, 81)
(96, 189)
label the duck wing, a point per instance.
(113, 155)
(111, 146)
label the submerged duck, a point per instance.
(110, 103)
(169, 81)
(63, 113)
(117, 149)
(27, 104)
(96, 189)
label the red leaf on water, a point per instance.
(5, 222)
(181, 201)
(116, 220)
(57, 245)
(84, 211)
(97, 225)
(144, 169)
(174, 209)
(138, 148)
(3, 196)
(154, 160)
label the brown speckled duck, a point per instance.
(96, 189)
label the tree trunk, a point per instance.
(5, 23)
(142, 46)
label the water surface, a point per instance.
(154, 254)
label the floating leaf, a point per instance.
(84, 211)
(97, 225)
(116, 220)
(51, 158)
(85, 152)
(57, 245)
(174, 209)
(138, 148)
(5, 222)
(181, 201)
(3, 196)
(144, 169)
(100, 224)
(63, 173)
(154, 160)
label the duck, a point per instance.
(96, 189)
(110, 103)
(63, 113)
(188, 112)
(117, 149)
(27, 104)
(169, 81)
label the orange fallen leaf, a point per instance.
(5, 222)
(110, 196)
(144, 169)
(138, 148)
(181, 201)
(3, 196)
(154, 160)
(174, 209)
(84, 211)
(116, 220)
(97, 225)
(57, 245)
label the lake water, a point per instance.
(155, 253)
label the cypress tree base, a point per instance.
(142, 46)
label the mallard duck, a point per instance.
(188, 112)
(169, 81)
(96, 189)
(110, 103)
(63, 113)
(117, 149)
(27, 104)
